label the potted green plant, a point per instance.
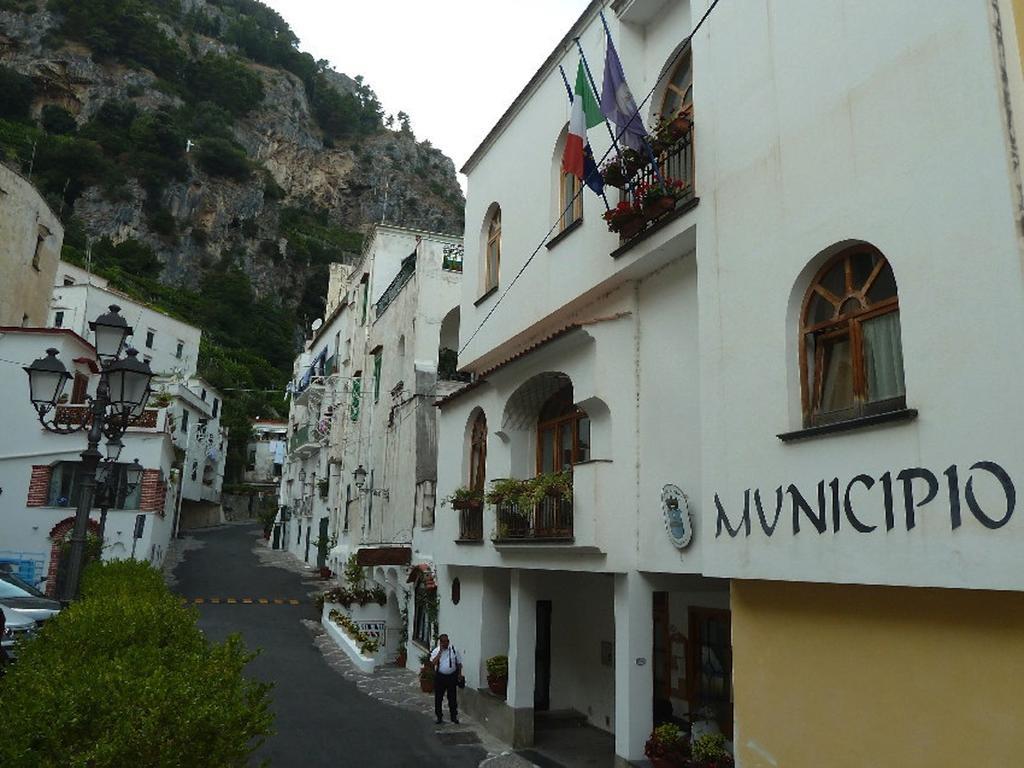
(508, 490)
(624, 219)
(708, 751)
(555, 484)
(426, 674)
(497, 675)
(324, 486)
(668, 747)
(465, 498)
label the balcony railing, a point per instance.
(451, 260)
(299, 438)
(471, 524)
(675, 164)
(549, 520)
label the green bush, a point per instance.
(220, 157)
(58, 120)
(227, 82)
(124, 677)
(16, 93)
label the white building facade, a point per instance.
(769, 452)
(360, 478)
(39, 470)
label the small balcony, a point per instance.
(303, 441)
(549, 520)
(471, 525)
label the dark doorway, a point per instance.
(542, 658)
(306, 556)
(321, 543)
(709, 671)
(662, 655)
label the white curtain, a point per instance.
(883, 357)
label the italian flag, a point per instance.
(586, 113)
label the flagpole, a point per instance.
(647, 144)
(593, 85)
(568, 90)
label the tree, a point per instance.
(16, 92)
(220, 157)
(125, 677)
(227, 82)
(58, 120)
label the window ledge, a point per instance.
(469, 541)
(900, 416)
(660, 224)
(564, 233)
(591, 461)
(487, 294)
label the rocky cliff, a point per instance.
(197, 218)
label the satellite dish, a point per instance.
(317, 323)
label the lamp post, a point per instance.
(359, 475)
(120, 399)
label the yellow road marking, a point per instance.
(198, 601)
(247, 600)
(293, 602)
(278, 601)
(232, 600)
(215, 600)
(263, 601)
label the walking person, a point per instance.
(447, 663)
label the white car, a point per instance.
(24, 600)
(16, 626)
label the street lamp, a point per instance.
(359, 476)
(120, 399)
(106, 477)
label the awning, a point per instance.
(368, 556)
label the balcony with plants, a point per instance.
(538, 509)
(654, 183)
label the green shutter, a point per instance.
(357, 386)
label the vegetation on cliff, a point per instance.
(210, 167)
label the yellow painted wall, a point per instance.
(836, 676)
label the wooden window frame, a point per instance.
(478, 453)
(685, 96)
(567, 218)
(839, 326)
(493, 238)
(695, 614)
(567, 420)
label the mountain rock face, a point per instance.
(348, 182)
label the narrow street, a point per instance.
(322, 719)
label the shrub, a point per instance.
(227, 82)
(497, 666)
(58, 120)
(220, 157)
(16, 93)
(124, 677)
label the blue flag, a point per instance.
(591, 175)
(617, 102)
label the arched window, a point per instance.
(851, 353)
(493, 251)
(478, 453)
(569, 191)
(563, 433)
(679, 89)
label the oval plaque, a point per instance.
(676, 509)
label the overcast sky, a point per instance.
(453, 65)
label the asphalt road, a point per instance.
(321, 718)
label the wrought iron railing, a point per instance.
(471, 524)
(550, 519)
(674, 164)
(299, 438)
(404, 275)
(451, 259)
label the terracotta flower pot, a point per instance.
(658, 206)
(631, 227)
(498, 685)
(427, 679)
(467, 504)
(680, 125)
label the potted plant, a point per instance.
(625, 219)
(668, 747)
(508, 490)
(324, 486)
(708, 751)
(465, 498)
(426, 674)
(497, 675)
(659, 197)
(555, 484)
